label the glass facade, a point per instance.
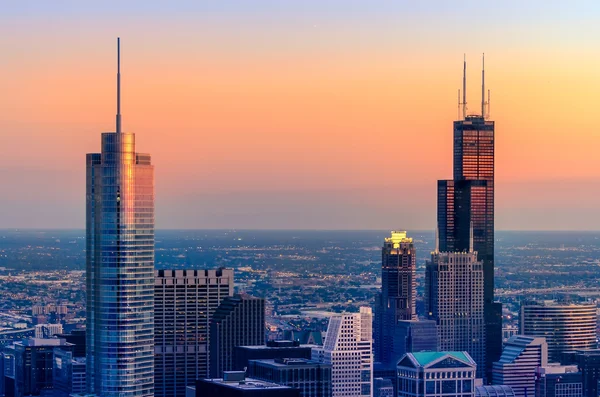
(120, 269)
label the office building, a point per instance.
(33, 365)
(517, 365)
(348, 349)
(235, 384)
(272, 350)
(312, 378)
(494, 391)
(44, 331)
(120, 266)
(467, 201)
(588, 363)
(454, 299)
(184, 302)
(238, 321)
(69, 374)
(383, 387)
(397, 299)
(555, 380)
(567, 327)
(427, 374)
(77, 339)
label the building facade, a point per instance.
(69, 373)
(428, 374)
(235, 384)
(312, 378)
(398, 290)
(184, 302)
(120, 266)
(567, 327)
(454, 299)
(272, 350)
(588, 362)
(348, 349)
(238, 321)
(47, 330)
(494, 391)
(516, 368)
(555, 380)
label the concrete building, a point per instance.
(44, 331)
(521, 357)
(428, 374)
(348, 349)
(312, 378)
(567, 327)
(184, 302)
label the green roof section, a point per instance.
(426, 358)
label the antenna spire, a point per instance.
(464, 102)
(437, 240)
(118, 85)
(483, 86)
(471, 238)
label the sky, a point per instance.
(306, 114)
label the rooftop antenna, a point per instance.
(483, 86)
(118, 85)
(471, 238)
(464, 100)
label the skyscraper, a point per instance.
(120, 265)
(468, 200)
(184, 302)
(398, 290)
(348, 348)
(454, 299)
(238, 321)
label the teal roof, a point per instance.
(426, 358)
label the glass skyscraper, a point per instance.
(120, 266)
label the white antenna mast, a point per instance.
(118, 85)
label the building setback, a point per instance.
(312, 378)
(184, 302)
(272, 350)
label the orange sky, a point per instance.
(312, 118)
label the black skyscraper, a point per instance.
(468, 199)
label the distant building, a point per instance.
(44, 331)
(305, 337)
(509, 331)
(398, 295)
(238, 321)
(454, 299)
(518, 363)
(567, 327)
(428, 374)
(235, 384)
(348, 349)
(272, 350)
(588, 362)
(184, 302)
(494, 391)
(69, 373)
(555, 380)
(383, 387)
(312, 378)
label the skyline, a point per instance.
(304, 128)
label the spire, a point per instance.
(118, 85)
(483, 86)
(471, 238)
(464, 101)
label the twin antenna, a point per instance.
(462, 104)
(118, 85)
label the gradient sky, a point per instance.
(305, 114)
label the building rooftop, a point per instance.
(237, 380)
(426, 358)
(288, 362)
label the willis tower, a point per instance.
(468, 199)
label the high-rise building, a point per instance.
(235, 384)
(518, 363)
(184, 302)
(467, 201)
(398, 290)
(348, 349)
(555, 380)
(588, 362)
(274, 349)
(77, 338)
(238, 321)
(120, 266)
(435, 374)
(312, 378)
(454, 299)
(69, 373)
(567, 327)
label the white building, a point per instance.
(434, 374)
(348, 349)
(43, 331)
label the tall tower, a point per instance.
(398, 290)
(468, 200)
(120, 265)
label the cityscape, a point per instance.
(114, 304)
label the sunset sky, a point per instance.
(300, 114)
